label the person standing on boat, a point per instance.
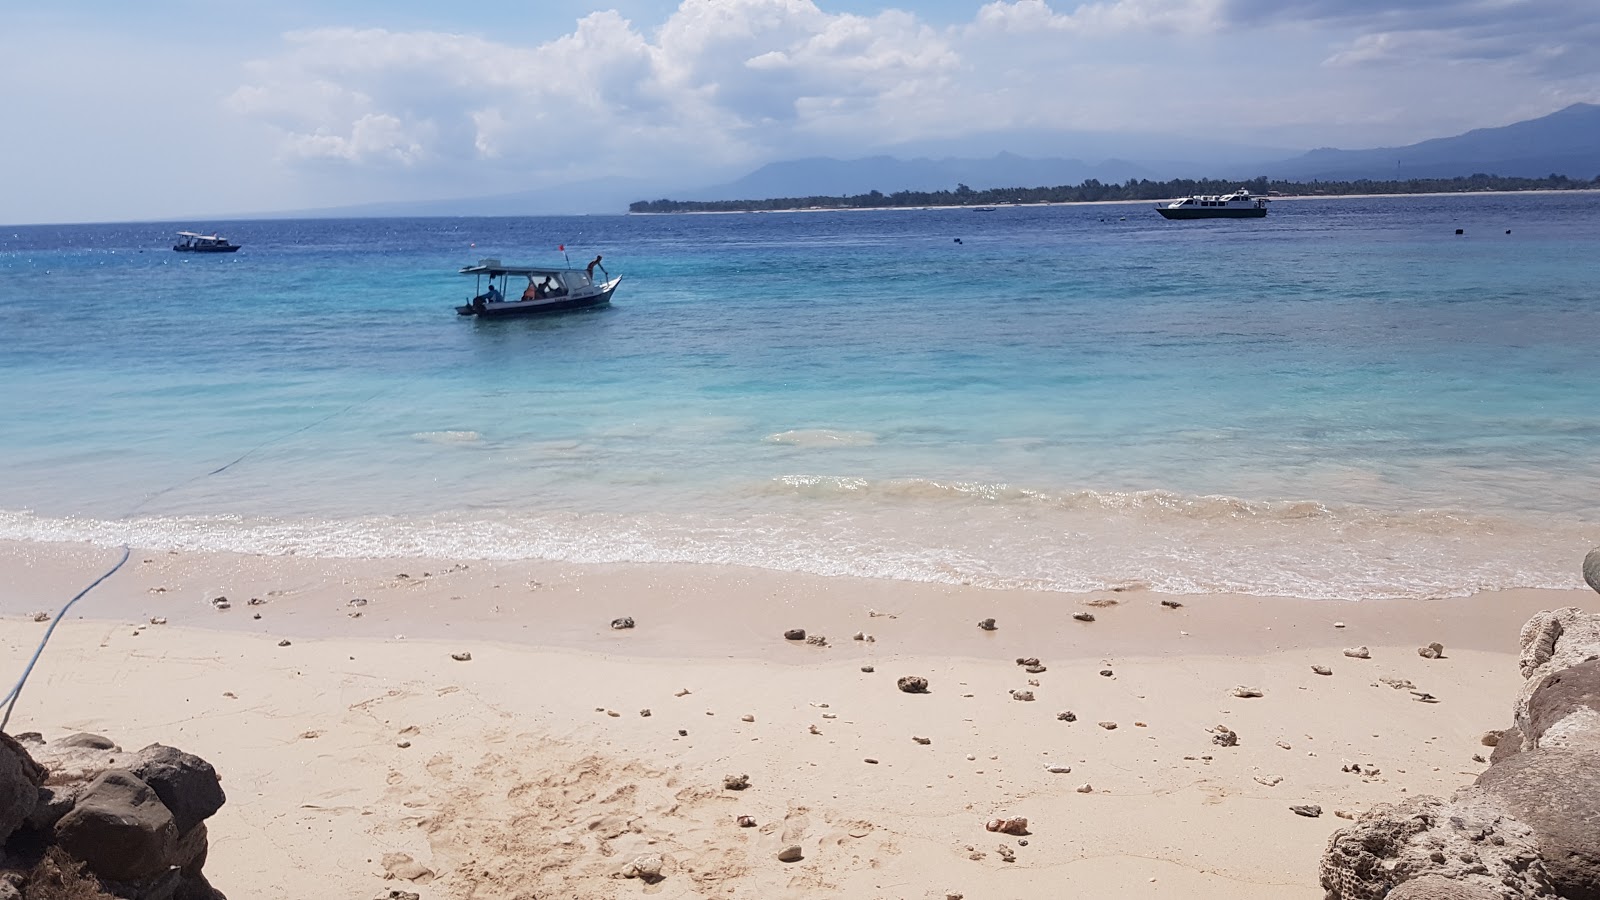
(592, 264)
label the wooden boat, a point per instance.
(548, 290)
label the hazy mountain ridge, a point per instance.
(1566, 142)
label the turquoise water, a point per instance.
(1345, 400)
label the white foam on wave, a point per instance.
(448, 437)
(1327, 556)
(823, 437)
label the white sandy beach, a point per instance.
(529, 770)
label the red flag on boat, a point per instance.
(562, 248)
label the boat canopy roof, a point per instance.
(195, 234)
(496, 271)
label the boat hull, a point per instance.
(540, 308)
(231, 248)
(1211, 212)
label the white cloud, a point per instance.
(728, 84)
(1022, 17)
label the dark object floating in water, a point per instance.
(1461, 231)
(203, 243)
(958, 240)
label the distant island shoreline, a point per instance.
(1276, 199)
(1092, 192)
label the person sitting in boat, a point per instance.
(531, 292)
(493, 295)
(548, 287)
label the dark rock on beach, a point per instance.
(100, 824)
(20, 778)
(120, 828)
(186, 784)
(913, 684)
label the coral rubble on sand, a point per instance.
(1529, 827)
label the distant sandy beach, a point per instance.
(328, 698)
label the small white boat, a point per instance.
(192, 242)
(1237, 205)
(547, 291)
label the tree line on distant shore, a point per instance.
(1094, 190)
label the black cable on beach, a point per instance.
(16, 691)
(10, 699)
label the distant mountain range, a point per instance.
(1566, 142)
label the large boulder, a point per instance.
(186, 784)
(1468, 840)
(1557, 638)
(1591, 568)
(20, 778)
(196, 887)
(55, 801)
(1556, 793)
(1553, 640)
(1563, 711)
(120, 828)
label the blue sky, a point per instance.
(132, 111)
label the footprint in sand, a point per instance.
(795, 825)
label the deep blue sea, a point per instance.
(1343, 400)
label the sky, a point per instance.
(115, 111)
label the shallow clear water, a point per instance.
(1345, 399)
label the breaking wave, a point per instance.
(970, 533)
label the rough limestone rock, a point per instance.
(1510, 745)
(1553, 640)
(186, 784)
(1558, 638)
(120, 828)
(1436, 887)
(1591, 568)
(1556, 793)
(1470, 840)
(70, 760)
(1564, 710)
(20, 778)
